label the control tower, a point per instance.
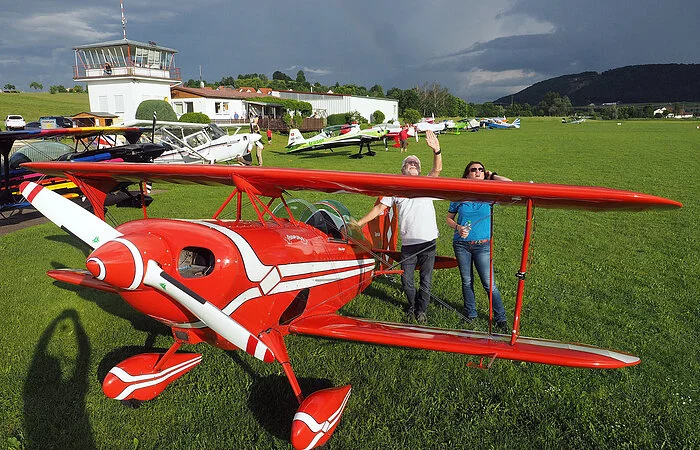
(121, 74)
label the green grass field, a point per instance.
(32, 105)
(623, 280)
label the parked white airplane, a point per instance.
(197, 143)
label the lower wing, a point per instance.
(462, 341)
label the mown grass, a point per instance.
(33, 105)
(623, 280)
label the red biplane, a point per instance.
(242, 284)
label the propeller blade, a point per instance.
(68, 215)
(212, 316)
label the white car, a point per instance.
(14, 122)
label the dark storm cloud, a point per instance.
(585, 35)
(479, 50)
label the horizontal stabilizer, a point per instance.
(462, 341)
(441, 262)
(81, 278)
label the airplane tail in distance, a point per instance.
(516, 123)
(295, 137)
(382, 232)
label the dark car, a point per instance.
(50, 122)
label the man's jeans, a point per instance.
(471, 255)
(422, 255)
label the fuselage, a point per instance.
(262, 275)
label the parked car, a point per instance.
(14, 122)
(50, 122)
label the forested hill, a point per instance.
(631, 84)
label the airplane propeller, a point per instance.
(117, 260)
(212, 316)
(68, 215)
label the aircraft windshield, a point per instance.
(39, 151)
(215, 132)
(329, 216)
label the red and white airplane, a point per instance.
(245, 284)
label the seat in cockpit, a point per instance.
(322, 220)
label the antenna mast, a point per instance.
(121, 3)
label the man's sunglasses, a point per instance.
(476, 169)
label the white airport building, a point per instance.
(121, 74)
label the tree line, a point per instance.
(426, 100)
(433, 99)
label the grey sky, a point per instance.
(479, 50)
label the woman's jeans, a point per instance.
(471, 255)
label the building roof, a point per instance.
(330, 94)
(104, 115)
(215, 93)
(125, 42)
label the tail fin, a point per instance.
(295, 137)
(516, 123)
(382, 232)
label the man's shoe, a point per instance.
(421, 318)
(502, 327)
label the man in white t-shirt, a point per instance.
(419, 233)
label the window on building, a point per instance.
(178, 108)
(118, 104)
(189, 106)
(220, 107)
(102, 100)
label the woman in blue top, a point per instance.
(471, 242)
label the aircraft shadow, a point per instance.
(67, 239)
(56, 387)
(271, 399)
(316, 154)
(113, 304)
(382, 295)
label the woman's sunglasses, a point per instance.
(476, 169)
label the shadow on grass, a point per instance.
(71, 240)
(272, 400)
(56, 386)
(113, 304)
(382, 295)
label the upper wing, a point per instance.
(7, 138)
(77, 131)
(271, 181)
(462, 341)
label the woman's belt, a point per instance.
(481, 241)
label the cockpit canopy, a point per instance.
(329, 216)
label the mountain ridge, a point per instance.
(645, 83)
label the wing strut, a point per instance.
(521, 273)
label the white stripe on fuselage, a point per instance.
(270, 279)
